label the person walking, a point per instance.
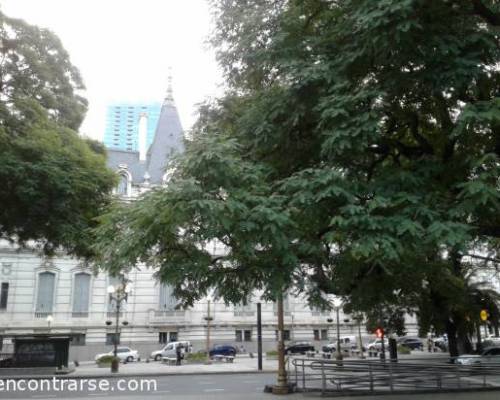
(178, 353)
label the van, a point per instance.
(170, 350)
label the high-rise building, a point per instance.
(122, 124)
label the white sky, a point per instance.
(123, 49)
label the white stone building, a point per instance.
(33, 288)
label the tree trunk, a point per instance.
(451, 332)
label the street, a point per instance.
(216, 386)
(189, 386)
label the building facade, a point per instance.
(63, 296)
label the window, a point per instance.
(167, 337)
(324, 334)
(78, 339)
(4, 295)
(286, 334)
(81, 295)
(242, 309)
(316, 334)
(243, 335)
(110, 339)
(122, 188)
(45, 296)
(167, 300)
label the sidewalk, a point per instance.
(156, 368)
(89, 369)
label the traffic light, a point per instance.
(379, 332)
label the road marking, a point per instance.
(214, 390)
(206, 383)
(43, 396)
(161, 391)
(250, 381)
(98, 394)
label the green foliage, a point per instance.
(106, 359)
(195, 357)
(52, 182)
(356, 152)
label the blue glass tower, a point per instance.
(122, 125)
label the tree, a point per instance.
(376, 131)
(52, 182)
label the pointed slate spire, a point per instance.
(169, 97)
(168, 139)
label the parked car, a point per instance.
(125, 354)
(411, 343)
(329, 348)
(377, 345)
(223, 350)
(346, 343)
(491, 355)
(170, 350)
(299, 348)
(441, 343)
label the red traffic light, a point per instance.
(379, 332)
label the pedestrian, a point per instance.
(178, 354)
(429, 344)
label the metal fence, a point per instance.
(376, 376)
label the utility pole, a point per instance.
(259, 337)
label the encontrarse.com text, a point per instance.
(77, 385)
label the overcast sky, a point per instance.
(123, 49)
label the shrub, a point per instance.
(404, 350)
(106, 359)
(272, 353)
(195, 357)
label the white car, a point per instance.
(170, 350)
(377, 345)
(125, 354)
(490, 355)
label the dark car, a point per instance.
(299, 348)
(411, 343)
(223, 350)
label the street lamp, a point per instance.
(50, 319)
(118, 295)
(208, 318)
(337, 303)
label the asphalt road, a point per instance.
(237, 386)
(216, 386)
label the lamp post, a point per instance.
(50, 319)
(118, 295)
(208, 318)
(337, 303)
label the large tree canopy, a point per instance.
(52, 182)
(355, 152)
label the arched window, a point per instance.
(45, 295)
(122, 188)
(81, 295)
(167, 298)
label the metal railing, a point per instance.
(370, 376)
